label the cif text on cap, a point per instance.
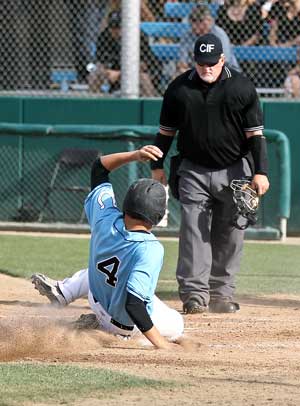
(206, 47)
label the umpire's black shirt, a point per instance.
(211, 118)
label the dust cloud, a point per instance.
(43, 338)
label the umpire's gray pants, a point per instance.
(210, 248)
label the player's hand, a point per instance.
(160, 176)
(260, 183)
(113, 75)
(149, 152)
(171, 347)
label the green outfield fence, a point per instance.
(45, 175)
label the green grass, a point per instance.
(266, 268)
(58, 384)
(56, 257)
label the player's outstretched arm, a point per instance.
(136, 309)
(100, 169)
(157, 339)
(146, 153)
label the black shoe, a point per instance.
(193, 307)
(223, 306)
(86, 322)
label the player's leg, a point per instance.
(169, 322)
(76, 286)
(62, 292)
(107, 324)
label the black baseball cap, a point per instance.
(208, 49)
(114, 19)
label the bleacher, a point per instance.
(182, 10)
(256, 53)
(61, 77)
(164, 29)
(168, 49)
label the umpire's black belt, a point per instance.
(116, 323)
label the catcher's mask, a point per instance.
(146, 200)
(247, 202)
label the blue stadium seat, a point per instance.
(59, 75)
(182, 10)
(167, 52)
(164, 29)
(266, 53)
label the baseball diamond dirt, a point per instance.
(248, 358)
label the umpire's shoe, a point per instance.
(48, 287)
(193, 307)
(223, 305)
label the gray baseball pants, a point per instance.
(210, 248)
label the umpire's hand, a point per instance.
(260, 183)
(159, 174)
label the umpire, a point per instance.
(217, 115)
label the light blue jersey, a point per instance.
(120, 261)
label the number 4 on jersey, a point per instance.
(110, 267)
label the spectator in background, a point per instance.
(156, 8)
(83, 20)
(284, 21)
(107, 73)
(266, 8)
(292, 80)
(242, 20)
(115, 5)
(86, 18)
(292, 83)
(109, 6)
(202, 23)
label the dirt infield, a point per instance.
(249, 358)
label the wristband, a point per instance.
(258, 147)
(163, 142)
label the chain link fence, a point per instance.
(46, 175)
(75, 47)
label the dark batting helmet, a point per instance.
(146, 200)
(247, 202)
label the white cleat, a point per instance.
(48, 287)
